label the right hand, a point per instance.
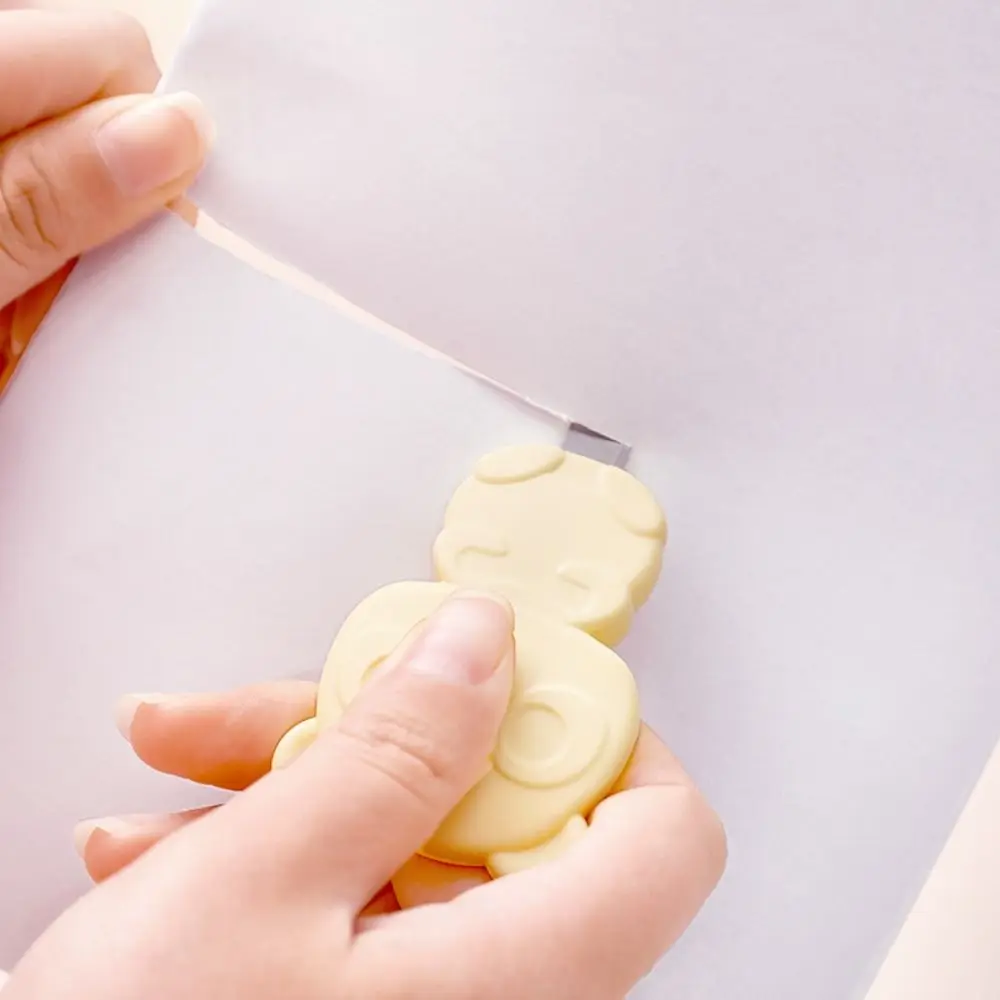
(283, 891)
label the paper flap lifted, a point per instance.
(783, 201)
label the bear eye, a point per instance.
(601, 602)
(459, 548)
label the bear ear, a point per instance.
(632, 504)
(519, 463)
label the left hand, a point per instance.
(85, 152)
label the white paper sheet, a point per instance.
(759, 241)
(201, 472)
(823, 654)
(573, 197)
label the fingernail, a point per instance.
(464, 641)
(124, 711)
(115, 826)
(156, 142)
(86, 829)
(82, 833)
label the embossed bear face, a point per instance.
(576, 539)
(567, 735)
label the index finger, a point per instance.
(596, 919)
(54, 61)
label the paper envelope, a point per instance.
(756, 241)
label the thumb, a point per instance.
(372, 790)
(77, 181)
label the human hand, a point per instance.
(285, 890)
(85, 153)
